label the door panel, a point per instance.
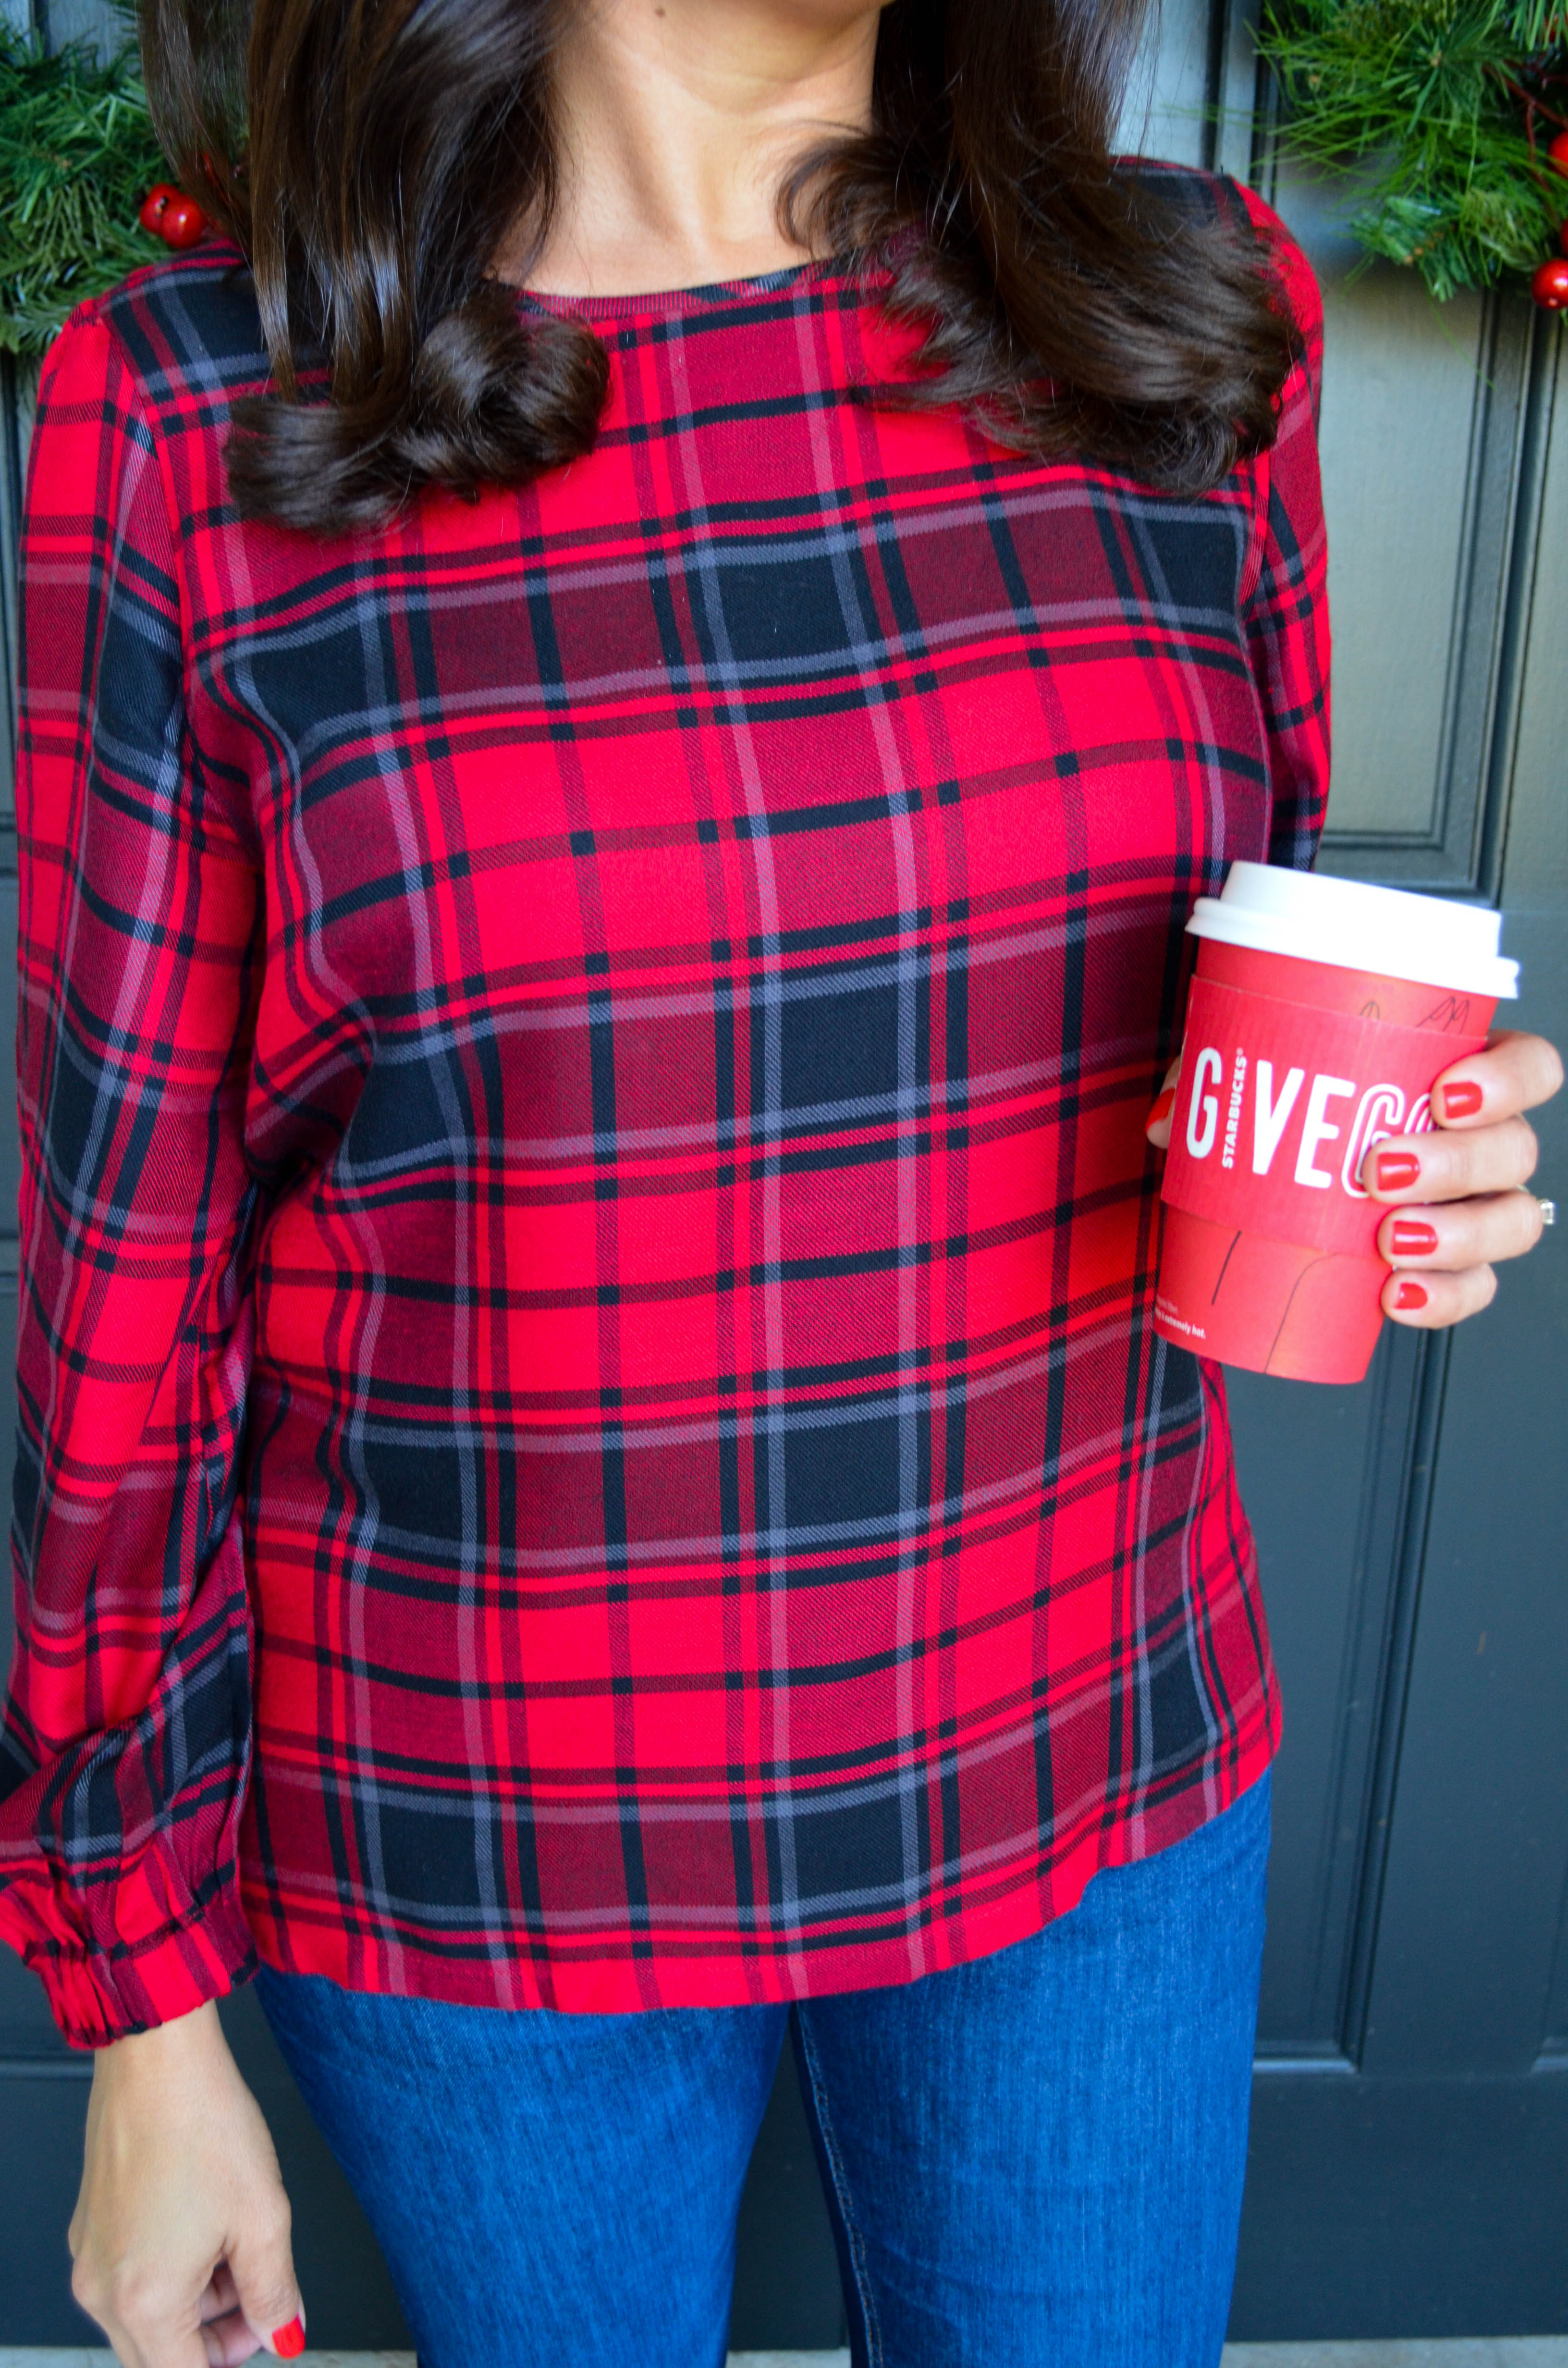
(1398, 514)
(1401, 2210)
(1430, 496)
(1338, 1587)
(1409, 2170)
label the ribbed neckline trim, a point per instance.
(664, 303)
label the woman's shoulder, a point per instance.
(180, 338)
(1297, 280)
(1219, 196)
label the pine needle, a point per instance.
(1440, 99)
(78, 156)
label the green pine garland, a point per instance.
(78, 156)
(1448, 106)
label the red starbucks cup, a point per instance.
(1321, 1016)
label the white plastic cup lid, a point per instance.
(1428, 939)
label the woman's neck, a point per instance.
(675, 119)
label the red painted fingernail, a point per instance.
(1162, 1107)
(1413, 1241)
(1410, 1293)
(289, 2341)
(1461, 1100)
(1397, 1170)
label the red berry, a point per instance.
(1549, 286)
(182, 223)
(152, 214)
(1558, 152)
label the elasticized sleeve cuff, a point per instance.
(171, 1953)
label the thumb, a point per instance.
(261, 2262)
(1157, 1125)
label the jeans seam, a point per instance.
(842, 2195)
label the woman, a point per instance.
(626, 697)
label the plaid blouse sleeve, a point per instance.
(125, 1738)
(1286, 605)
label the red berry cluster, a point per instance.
(177, 220)
(1549, 286)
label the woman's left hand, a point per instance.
(1456, 1205)
(1456, 1196)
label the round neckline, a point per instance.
(662, 303)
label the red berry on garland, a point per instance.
(151, 213)
(1549, 286)
(182, 223)
(1558, 152)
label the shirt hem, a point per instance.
(749, 1972)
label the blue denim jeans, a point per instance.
(1034, 2158)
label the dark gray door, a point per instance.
(1410, 2154)
(1409, 2169)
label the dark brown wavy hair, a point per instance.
(370, 156)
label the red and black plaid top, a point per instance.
(590, 1431)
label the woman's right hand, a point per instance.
(180, 2235)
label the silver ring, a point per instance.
(1548, 1212)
